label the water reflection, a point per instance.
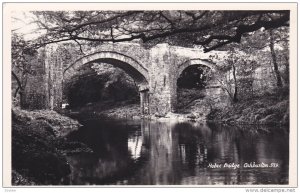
(170, 153)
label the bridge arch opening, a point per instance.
(194, 77)
(126, 63)
(106, 73)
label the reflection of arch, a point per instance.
(128, 64)
(193, 62)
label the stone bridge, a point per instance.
(155, 70)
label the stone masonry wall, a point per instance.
(159, 66)
(54, 77)
(160, 83)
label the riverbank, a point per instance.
(109, 109)
(267, 110)
(40, 146)
(197, 112)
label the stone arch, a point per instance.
(193, 62)
(133, 68)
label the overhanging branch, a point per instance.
(242, 29)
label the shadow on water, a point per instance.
(169, 153)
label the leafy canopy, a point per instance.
(210, 29)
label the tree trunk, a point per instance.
(235, 94)
(16, 92)
(19, 90)
(20, 87)
(287, 71)
(276, 70)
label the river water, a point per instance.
(128, 152)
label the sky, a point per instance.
(22, 24)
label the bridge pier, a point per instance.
(144, 101)
(161, 83)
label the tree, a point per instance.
(229, 84)
(267, 50)
(235, 72)
(235, 93)
(274, 41)
(277, 73)
(21, 68)
(210, 29)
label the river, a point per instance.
(143, 152)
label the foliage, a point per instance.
(21, 55)
(60, 124)
(255, 70)
(263, 110)
(18, 179)
(186, 96)
(210, 29)
(21, 49)
(194, 77)
(100, 82)
(35, 154)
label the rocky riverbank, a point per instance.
(40, 146)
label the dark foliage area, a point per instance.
(38, 153)
(272, 108)
(34, 153)
(193, 77)
(101, 88)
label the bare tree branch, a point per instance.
(80, 47)
(242, 29)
